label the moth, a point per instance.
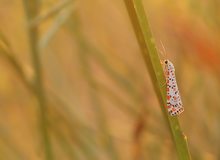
(174, 102)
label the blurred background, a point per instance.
(99, 103)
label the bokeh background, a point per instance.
(100, 103)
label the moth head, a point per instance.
(166, 62)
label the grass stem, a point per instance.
(146, 42)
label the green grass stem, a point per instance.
(146, 42)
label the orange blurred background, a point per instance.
(99, 97)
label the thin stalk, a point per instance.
(32, 8)
(11, 59)
(61, 18)
(50, 13)
(146, 42)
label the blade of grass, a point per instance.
(59, 21)
(52, 12)
(146, 42)
(7, 54)
(32, 9)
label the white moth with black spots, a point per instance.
(174, 103)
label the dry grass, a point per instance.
(100, 102)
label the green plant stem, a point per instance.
(31, 8)
(146, 42)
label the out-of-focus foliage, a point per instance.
(100, 101)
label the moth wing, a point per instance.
(176, 106)
(174, 103)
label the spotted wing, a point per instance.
(174, 102)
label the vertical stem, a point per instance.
(146, 42)
(31, 8)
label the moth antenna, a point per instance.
(164, 50)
